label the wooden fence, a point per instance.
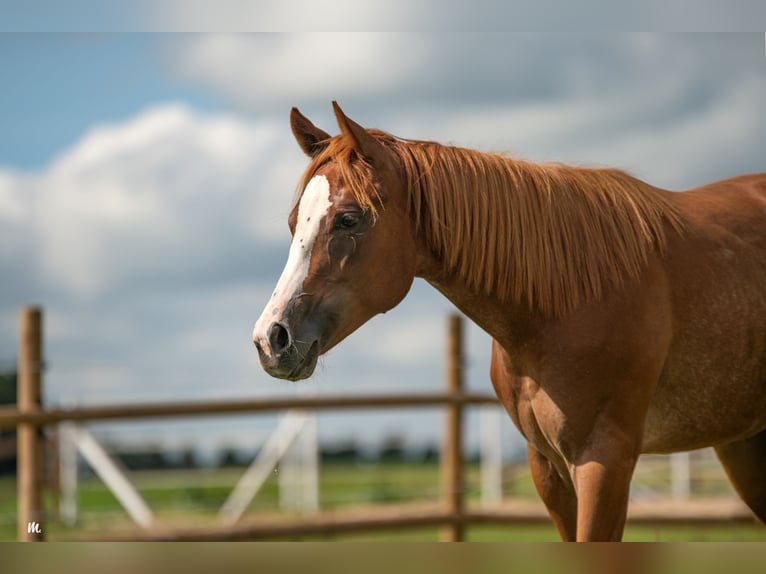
(29, 417)
(451, 513)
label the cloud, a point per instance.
(169, 194)
(632, 101)
(258, 70)
(591, 16)
(429, 69)
(292, 15)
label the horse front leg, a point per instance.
(588, 503)
(601, 476)
(556, 491)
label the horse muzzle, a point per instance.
(282, 355)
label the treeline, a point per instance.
(391, 450)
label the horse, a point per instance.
(625, 319)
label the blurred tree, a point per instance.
(229, 457)
(392, 449)
(8, 387)
(345, 451)
(7, 436)
(188, 459)
(430, 453)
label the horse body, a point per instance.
(673, 361)
(625, 319)
(713, 387)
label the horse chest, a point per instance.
(542, 422)
(535, 414)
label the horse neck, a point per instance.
(496, 230)
(502, 320)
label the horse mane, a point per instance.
(550, 235)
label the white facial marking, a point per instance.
(315, 202)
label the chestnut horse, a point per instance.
(625, 319)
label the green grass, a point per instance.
(194, 497)
(547, 533)
(394, 482)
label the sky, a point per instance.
(145, 182)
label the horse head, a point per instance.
(353, 248)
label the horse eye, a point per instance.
(347, 221)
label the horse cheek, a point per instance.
(340, 250)
(394, 279)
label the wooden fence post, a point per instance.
(29, 439)
(452, 451)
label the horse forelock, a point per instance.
(353, 170)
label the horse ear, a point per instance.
(311, 139)
(364, 143)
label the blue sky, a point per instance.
(145, 181)
(56, 86)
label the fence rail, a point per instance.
(11, 417)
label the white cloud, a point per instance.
(293, 15)
(157, 195)
(262, 69)
(631, 100)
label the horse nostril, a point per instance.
(279, 338)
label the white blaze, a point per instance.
(314, 204)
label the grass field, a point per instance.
(191, 497)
